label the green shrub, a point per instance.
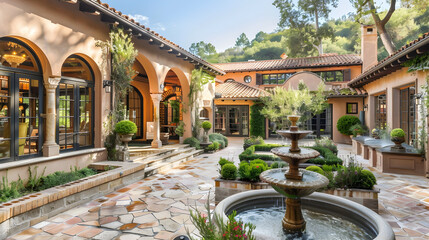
(255, 171)
(221, 139)
(327, 168)
(326, 142)
(278, 164)
(213, 147)
(252, 141)
(257, 121)
(125, 127)
(249, 153)
(224, 161)
(345, 122)
(397, 133)
(206, 125)
(251, 171)
(12, 190)
(193, 142)
(358, 129)
(59, 178)
(229, 171)
(329, 158)
(180, 129)
(354, 176)
(315, 169)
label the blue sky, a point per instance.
(219, 22)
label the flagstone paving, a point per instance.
(158, 207)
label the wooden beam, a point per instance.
(83, 7)
(418, 51)
(69, 1)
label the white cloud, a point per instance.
(140, 18)
(145, 21)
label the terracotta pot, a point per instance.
(125, 138)
(398, 142)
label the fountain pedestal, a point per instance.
(293, 184)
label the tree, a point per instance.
(259, 37)
(242, 41)
(306, 17)
(301, 101)
(202, 49)
(368, 7)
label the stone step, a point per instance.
(149, 161)
(148, 151)
(157, 167)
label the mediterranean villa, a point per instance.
(55, 85)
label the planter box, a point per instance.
(19, 214)
(226, 188)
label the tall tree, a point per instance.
(307, 16)
(202, 49)
(242, 41)
(368, 7)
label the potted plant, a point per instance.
(180, 130)
(345, 122)
(206, 126)
(357, 130)
(397, 136)
(126, 130)
(375, 133)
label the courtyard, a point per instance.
(158, 206)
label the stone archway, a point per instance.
(310, 79)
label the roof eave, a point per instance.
(383, 69)
(287, 68)
(142, 33)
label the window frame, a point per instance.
(352, 104)
(248, 77)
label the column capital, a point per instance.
(156, 96)
(52, 82)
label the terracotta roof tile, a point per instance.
(340, 91)
(232, 89)
(291, 63)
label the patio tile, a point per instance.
(90, 233)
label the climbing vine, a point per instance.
(421, 63)
(199, 79)
(122, 55)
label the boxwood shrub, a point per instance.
(221, 139)
(229, 171)
(251, 171)
(345, 122)
(329, 158)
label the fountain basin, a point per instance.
(369, 221)
(310, 182)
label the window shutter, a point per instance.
(258, 79)
(346, 75)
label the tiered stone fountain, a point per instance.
(295, 183)
(329, 217)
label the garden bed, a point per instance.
(21, 213)
(226, 188)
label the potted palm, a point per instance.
(397, 136)
(126, 130)
(180, 130)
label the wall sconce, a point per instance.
(417, 98)
(107, 85)
(365, 107)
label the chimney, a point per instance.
(369, 46)
(283, 56)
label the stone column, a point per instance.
(156, 99)
(50, 147)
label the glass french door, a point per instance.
(75, 121)
(135, 110)
(408, 114)
(20, 121)
(232, 120)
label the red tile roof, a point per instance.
(389, 64)
(291, 63)
(232, 89)
(197, 60)
(340, 91)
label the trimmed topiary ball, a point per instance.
(315, 169)
(368, 179)
(397, 133)
(229, 171)
(345, 123)
(206, 125)
(125, 127)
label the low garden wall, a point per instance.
(226, 188)
(21, 213)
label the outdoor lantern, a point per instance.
(107, 85)
(417, 98)
(365, 107)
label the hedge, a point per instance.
(257, 121)
(329, 158)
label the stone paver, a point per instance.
(158, 206)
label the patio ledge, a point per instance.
(15, 164)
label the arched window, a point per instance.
(204, 114)
(135, 109)
(75, 105)
(21, 100)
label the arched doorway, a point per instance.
(21, 101)
(170, 109)
(75, 105)
(135, 110)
